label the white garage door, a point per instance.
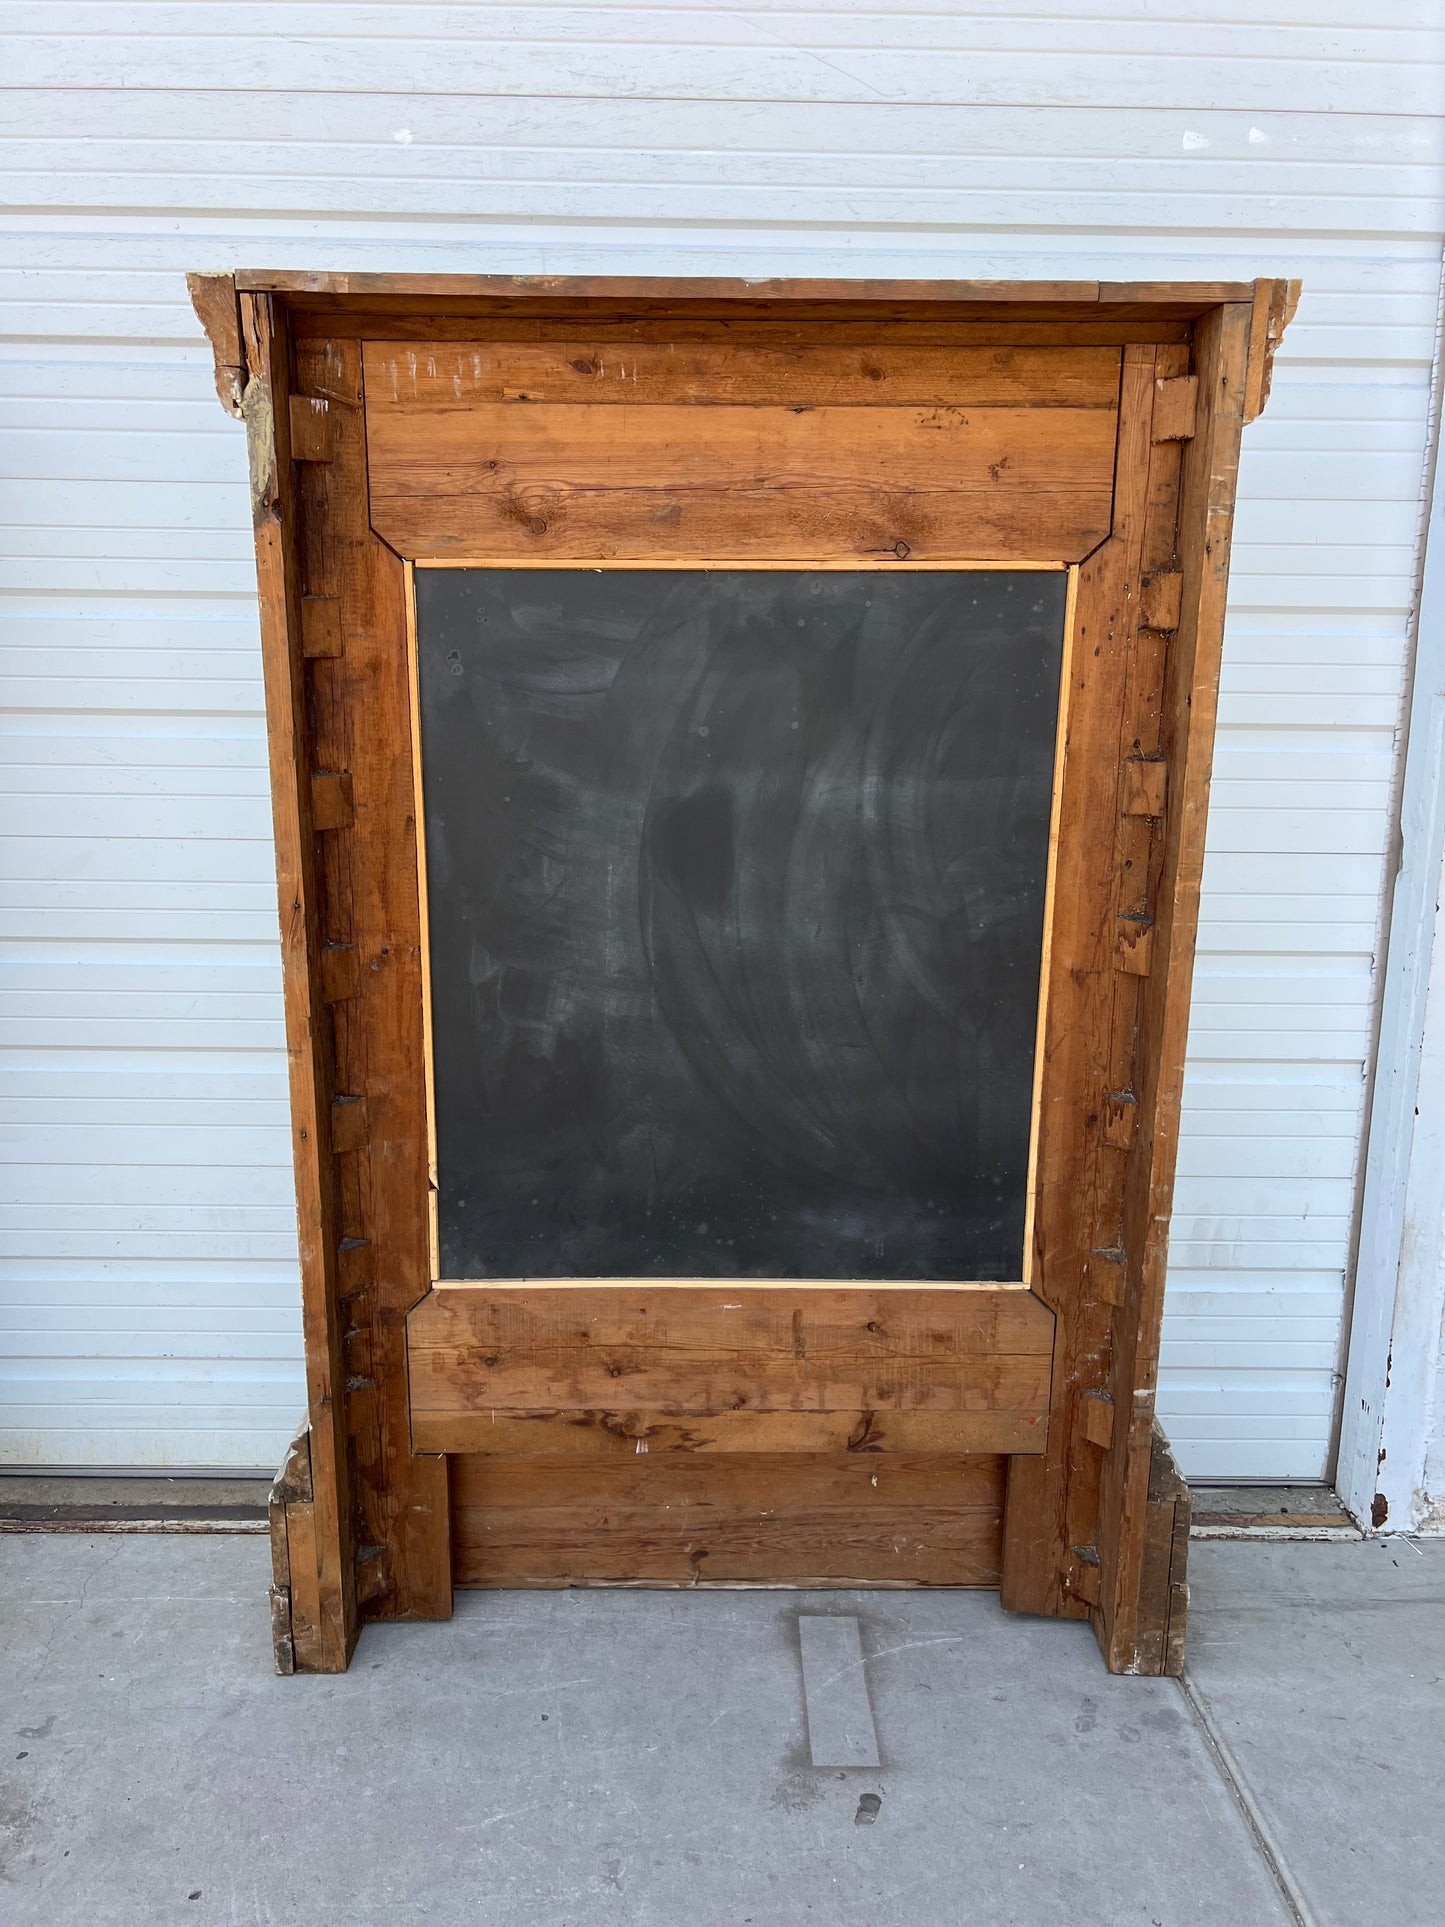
(150, 1299)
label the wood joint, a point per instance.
(313, 429)
(1096, 1419)
(331, 803)
(1161, 600)
(1176, 400)
(1146, 786)
(1121, 1109)
(340, 972)
(320, 626)
(348, 1124)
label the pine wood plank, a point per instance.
(500, 480)
(321, 1549)
(620, 1434)
(1170, 297)
(1053, 1497)
(368, 908)
(444, 377)
(1187, 710)
(795, 1520)
(688, 1348)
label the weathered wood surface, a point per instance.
(1087, 1518)
(1164, 297)
(359, 747)
(1163, 1611)
(686, 1349)
(506, 480)
(447, 376)
(213, 296)
(323, 1567)
(1053, 1498)
(1186, 706)
(616, 1434)
(799, 1520)
(296, 1615)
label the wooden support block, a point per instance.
(313, 429)
(1146, 783)
(1082, 1576)
(1121, 1108)
(1096, 1418)
(331, 806)
(1161, 597)
(348, 1123)
(320, 626)
(340, 972)
(355, 1267)
(1135, 945)
(1175, 401)
(1108, 1274)
(372, 1579)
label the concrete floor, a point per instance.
(631, 1759)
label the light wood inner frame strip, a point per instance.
(1028, 1255)
(690, 1347)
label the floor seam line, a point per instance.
(1260, 1833)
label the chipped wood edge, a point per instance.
(1163, 1618)
(218, 309)
(290, 1491)
(1168, 297)
(1272, 309)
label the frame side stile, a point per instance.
(362, 706)
(1051, 1504)
(1206, 504)
(266, 397)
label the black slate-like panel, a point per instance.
(736, 885)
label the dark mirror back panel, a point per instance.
(736, 897)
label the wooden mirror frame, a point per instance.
(1096, 1524)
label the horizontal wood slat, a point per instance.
(797, 1519)
(456, 473)
(444, 376)
(619, 1434)
(712, 1348)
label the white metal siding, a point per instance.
(149, 1307)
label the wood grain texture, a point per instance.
(1162, 297)
(761, 1347)
(359, 705)
(1052, 1498)
(622, 1434)
(322, 1550)
(817, 1519)
(1187, 707)
(505, 480)
(447, 376)
(1163, 1611)
(213, 296)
